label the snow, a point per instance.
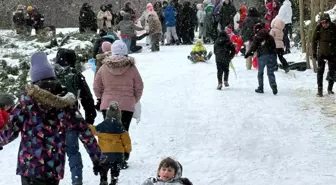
(233, 136)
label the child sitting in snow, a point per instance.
(224, 51)
(6, 104)
(114, 141)
(169, 173)
(199, 53)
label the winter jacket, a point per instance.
(118, 80)
(324, 39)
(20, 16)
(186, 16)
(198, 48)
(154, 24)
(217, 10)
(286, 12)
(247, 29)
(263, 43)
(227, 12)
(87, 19)
(104, 18)
(223, 48)
(42, 119)
(99, 59)
(277, 32)
(35, 19)
(129, 10)
(113, 139)
(200, 14)
(127, 27)
(169, 15)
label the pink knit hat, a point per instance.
(149, 7)
(106, 46)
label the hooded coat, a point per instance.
(247, 29)
(42, 118)
(223, 48)
(286, 12)
(169, 15)
(118, 80)
(227, 12)
(154, 24)
(277, 26)
(104, 18)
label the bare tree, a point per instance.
(302, 31)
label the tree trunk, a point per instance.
(314, 11)
(322, 5)
(302, 31)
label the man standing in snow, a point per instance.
(324, 45)
(286, 14)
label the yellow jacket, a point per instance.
(112, 137)
(198, 48)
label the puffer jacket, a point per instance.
(154, 24)
(169, 15)
(42, 119)
(286, 12)
(324, 39)
(118, 80)
(277, 26)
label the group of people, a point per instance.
(27, 18)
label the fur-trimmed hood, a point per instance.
(46, 98)
(118, 65)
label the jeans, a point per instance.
(74, 157)
(270, 61)
(127, 41)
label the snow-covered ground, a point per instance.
(233, 136)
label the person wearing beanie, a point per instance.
(114, 142)
(74, 81)
(40, 67)
(118, 80)
(43, 116)
(144, 20)
(324, 44)
(106, 51)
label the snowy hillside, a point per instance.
(233, 136)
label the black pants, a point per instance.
(126, 118)
(287, 30)
(114, 168)
(222, 67)
(320, 70)
(35, 181)
(280, 53)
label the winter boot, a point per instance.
(208, 56)
(286, 69)
(114, 180)
(219, 87)
(274, 89)
(319, 92)
(330, 87)
(226, 84)
(259, 90)
(124, 165)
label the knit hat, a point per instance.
(149, 7)
(106, 46)
(113, 111)
(40, 67)
(119, 48)
(29, 8)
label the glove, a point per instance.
(97, 106)
(126, 155)
(97, 168)
(186, 181)
(89, 120)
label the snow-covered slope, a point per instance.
(233, 136)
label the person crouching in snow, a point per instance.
(263, 43)
(114, 142)
(224, 51)
(169, 173)
(199, 52)
(277, 26)
(154, 30)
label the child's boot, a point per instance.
(319, 92)
(219, 87)
(208, 56)
(259, 90)
(226, 83)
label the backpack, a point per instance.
(69, 79)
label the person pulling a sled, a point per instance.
(199, 53)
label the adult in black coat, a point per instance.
(253, 17)
(87, 19)
(227, 12)
(187, 24)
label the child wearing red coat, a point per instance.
(6, 104)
